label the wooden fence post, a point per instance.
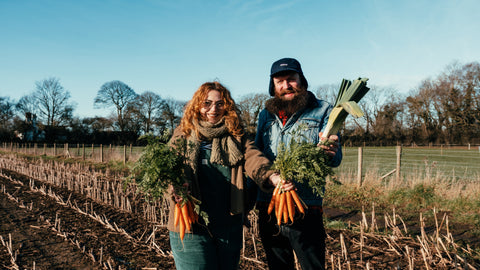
(124, 154)
(54, 149)
(83, 151)
(360, 166)
(101, 152)
(399, 155)
(93, 157)
(44, 149)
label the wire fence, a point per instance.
(453, 162)
(90, 152)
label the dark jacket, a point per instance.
(255, 165)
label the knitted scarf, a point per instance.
(226, 149)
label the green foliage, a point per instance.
(423, 195)
(302, 161)
(160, 166)
(416, 198)
(335, 224)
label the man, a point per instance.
(291, 106)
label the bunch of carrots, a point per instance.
(184, 215)
(285, 203)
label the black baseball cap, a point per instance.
(283, 65)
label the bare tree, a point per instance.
(456, 96)
(446, 108)
(118, 95)
(328, 92)
(148, 108)
(375, 101)
(6, 115)
(172, 111)
(26, 104)
(250, 106)
(52, 102)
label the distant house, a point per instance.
(29, 131)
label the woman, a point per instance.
(220, 157)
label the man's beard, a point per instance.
(277, 103)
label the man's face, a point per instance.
(287, 86)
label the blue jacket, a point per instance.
(270, 132)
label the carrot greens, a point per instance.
(162, 167)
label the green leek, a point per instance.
(346, 103)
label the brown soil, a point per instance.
(75, 232)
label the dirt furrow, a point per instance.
(52, 235)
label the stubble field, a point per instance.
(63, 216)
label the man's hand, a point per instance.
(331, 148)
(275, 179)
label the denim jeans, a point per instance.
(218, 251)
(306, 236)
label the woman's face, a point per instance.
(213, 108)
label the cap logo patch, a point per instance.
(283, 65)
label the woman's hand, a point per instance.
(177, 198)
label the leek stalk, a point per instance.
(349, 94)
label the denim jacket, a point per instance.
(270, 132)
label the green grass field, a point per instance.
(450, 163)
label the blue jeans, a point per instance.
(306, 236)
(221, 250)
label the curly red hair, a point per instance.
(192, 110)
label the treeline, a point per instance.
(46, 115)
(441, 110)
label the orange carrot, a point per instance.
(298, 201)
(277, 203)
(176, 214)
(186, 217)
(290, 206)
(271, 205)
(285, 210)
(182, 228)
(280, 208)
(272, 201)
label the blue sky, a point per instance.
(171, 47)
